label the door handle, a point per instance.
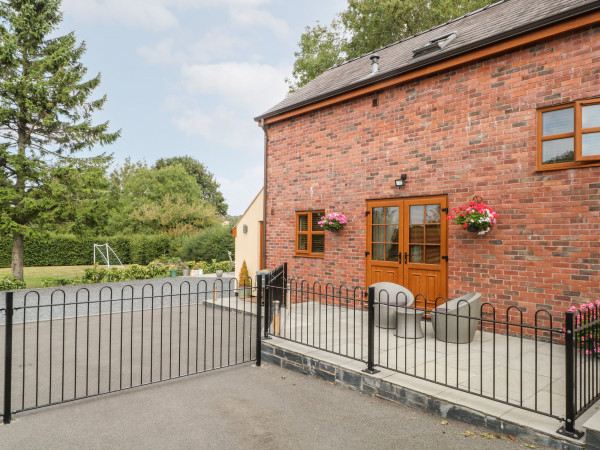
(399, 257)
(405, 257)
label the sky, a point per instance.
(187, 77)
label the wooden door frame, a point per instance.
(370, 203)
(369, 224)
(443, 201)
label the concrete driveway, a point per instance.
(241, 407)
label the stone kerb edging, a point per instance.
(367, 384)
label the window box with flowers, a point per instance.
(476, 217)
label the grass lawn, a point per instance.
(34, 275)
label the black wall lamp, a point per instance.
(245, 228)
(400, 181)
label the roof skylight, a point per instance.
(436, 44)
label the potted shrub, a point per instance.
(476, 217)
(333, 221)
(198, 269)
(173, 270)
(245, 282)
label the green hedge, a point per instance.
(69, 250)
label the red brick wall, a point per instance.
(469, 131)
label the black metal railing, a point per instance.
(527, 360)
(66, 344)
(582, 345)
(318, 316)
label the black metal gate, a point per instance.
(72, 343)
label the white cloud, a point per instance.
(253, 86)
(222, 125)
(242, 190)
(154, 15)
(253, 18)
(217, 44)
(146, 14)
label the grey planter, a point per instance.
(457, 320)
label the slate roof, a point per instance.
(494, 23)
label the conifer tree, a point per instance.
(45, 118)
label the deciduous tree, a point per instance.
(205, 179)
(368, 25)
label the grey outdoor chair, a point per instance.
(388, 297)
(456, 320)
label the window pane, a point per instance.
(590, 116)
(378, 215)
(303, 222)
(391, 233)
(378, 252)
(416, 233)
(378, 233)
(417, 213)
(391, 215)
(315, 221)
(558, 122)
(391, 252)
(558, 151)
(433, 214)
(318, 243)
(433, 234)
(302, 242)
(432, 254)
(416, 253)
(590, 144)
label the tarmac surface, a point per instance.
(242, 407)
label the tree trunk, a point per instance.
(17, 256)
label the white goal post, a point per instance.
(105, 253)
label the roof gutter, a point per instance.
(570, 14)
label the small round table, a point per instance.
(408, 323)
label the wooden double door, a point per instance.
(407, 245)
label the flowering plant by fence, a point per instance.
(333, 221)
(477, 217)
(587, 327)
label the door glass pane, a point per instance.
(378, 215)
(318, 243)
(433, 234)
(590, 144)
(391, 252)
(378, 233)
(417, 213)
(558, 122)
(303, 222)
(590, 116)
(432, 254)
(416, 253)
(378, 252)
(391, 233)
(391, 215)
(315, 221)
(302, 242)
(558, 151)
(433, 214)
(416, 234)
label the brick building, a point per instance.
(501, 104)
